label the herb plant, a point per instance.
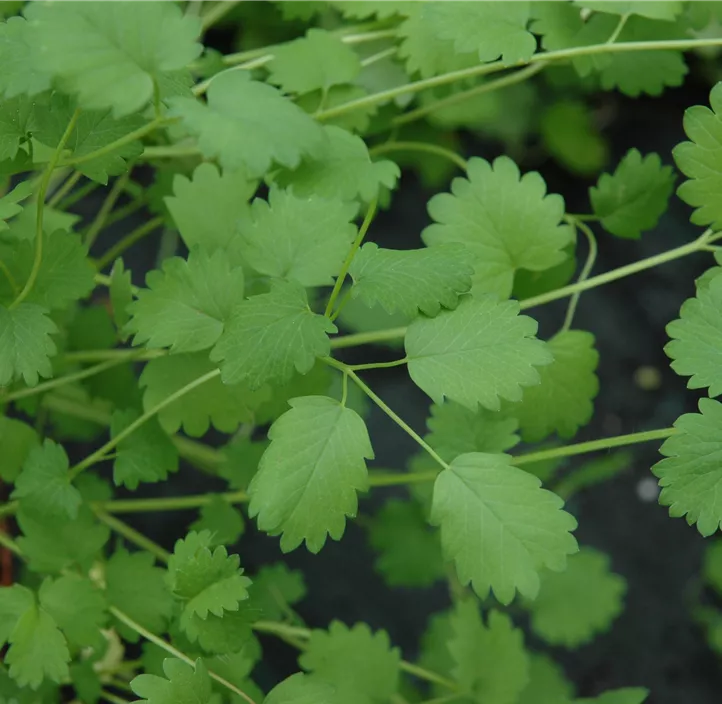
(271, 164)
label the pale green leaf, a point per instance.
(480, 352)
(300, 688)
(275, 589)
(499, 526)
(380, 9)
(667, 10)
(547, 683)
(121, 296)
(507, 222)
(309, 476)
(17, 121)
(17, 439)
(25, 344)
(182, 684)
(14, 602)
(241, 459)
(355, 316)
(221, 634)
(357, 120)
(9, 203)
(222, 520)
(20, 74)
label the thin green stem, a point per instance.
(47, 175)
(11, 279)
(378, 365)
(423, 674)
(113, 442)
(77, 195)
(123, 212)
(379, 56)
(586, 270)
(347, 264)
(112, 698)
(420, 147)
(105, 209)
(9, 544)
(172, 151)
(132, 535)
(401, 478)
(342, 303)
(164, 645)
(367, 338)
(63, 191)
(618, 29)
(105, 280)
(170, 503)
(84, 356)
(216, 13)
(128, 241)
(344, 389)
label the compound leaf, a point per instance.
(476, 354)
(499, 526)
(21, 74)
(308, 477)
(182, 684)
(507, 222)
(25, 344)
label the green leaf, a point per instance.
(667, 10)
(221, 634)
(224, 406)
(44, 483)
(186, 305)
(547, 683)
(135, 586)
(20, 74)
(499, 526)
(14, 602)
(691, 471)
(319, 60)
(379, 9)
(411, 280)
(562, 402)
(357, 121)
(341, 169)
(409, 552)
(455, 430)
(476, 354)
(307, 482)
(634, 197)
(25, 344)
(242, 457)
(271, 335)
(17, 120)
(507, 222)
(276, 588)
(300, 688)
(17, 439)
(493, 30)
(183, 684)
(221, 520)
(361, 665)
(301, 239)
(9, 203)
(699, 160)
(121, 296)
(206, 208)
(489, 659)
(574, 606)
(146, 455)
(78, 608)
(696, 345)
(629, 695)
(248, 124)
(112, 56)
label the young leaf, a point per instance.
(136, 587)
(575, 605)
(21, 74)
(9, 203)
(409, 552)
(317, 61)
(690, 471)
(476, 354)
(629, 695)
(507, 222)
(206, 208)
(411, 280)
(121, 296)
(696, 346)
(44, 484)
(275, 588)
(308, 478)
(271, 335)
(635, 196)
(300, 239)
(667, 10)
(341, 169)
(146, 455)
(222, 520)
(547, 683)
(499, 526)
(699, 160)
(17, 439)
(562, 402)
(248, 124)
(25, 344)
(183, 684)
(361, 665)
(112, 56)
(186, 305)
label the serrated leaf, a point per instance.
(319, 60)
(111, 56)
(220, 635)
(275, 588)
(635, 196)
(207, 207)
(562, 402)
(44, 483)
(186, 305)
(409, 552)
(121, 296)
(507, 222)
(361, 665)
(242, 456)
(499, 526)
(699, 160)
(667, 10)
(15, 600)
(574, 606)
(696, 345)
(302, 689)
(222, 520)
(146, 455)
(25, 344)
(9, 203)
(475, 355)
(17, 439)
(411, 280)
(248, 124)
(308, 478)
(357, 121)
(690, 473)
(270, 336)
(183, 684)
(629, 695)
(20, 74)
(341, 169)
(300, 239)
(380, 9)
(135, 586)
(547, 683)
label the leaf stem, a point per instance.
(366, 338)
(112, 698)
(8, 275)
(586, 270)
(76, 195)
(105, 280)
(131, 534)
(44, 183)
(419, 147)
(63, 191)
(108, 204)
(128, 241)
(618, 29)
(378, 365)
(168, 503)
